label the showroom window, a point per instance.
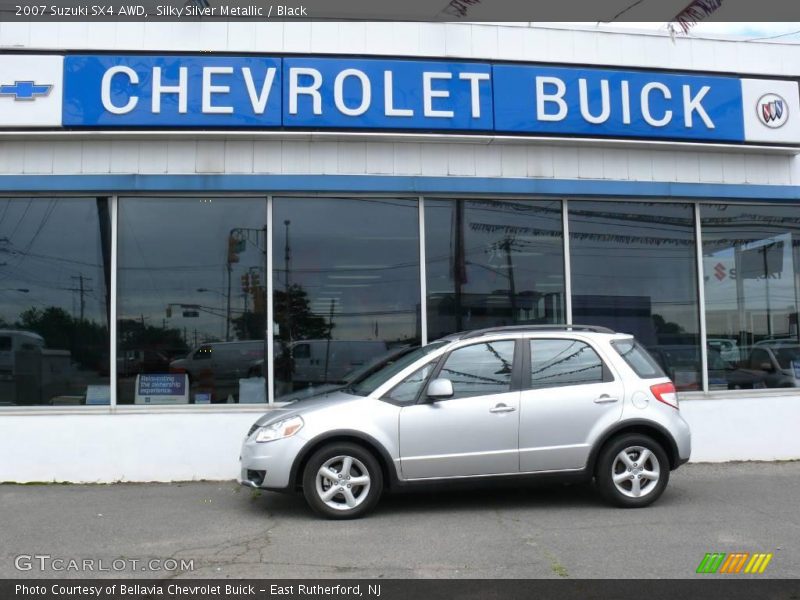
(191, 309)
(634, 270)
(493, 262)
(55, 261)
(346, 287)
(751, 261)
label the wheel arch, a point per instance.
(360, 438)
(640, 426)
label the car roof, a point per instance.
(21, 332)
(522, 329)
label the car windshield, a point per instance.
(787, 356)
(362, 371)
(392, 366)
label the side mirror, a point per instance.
(766, 366)
(440, 389)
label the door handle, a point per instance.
(605, 399)
(502, 408)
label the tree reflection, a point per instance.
(85, 340)
(136, 335)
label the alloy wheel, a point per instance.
(343, 482)
(635, 471)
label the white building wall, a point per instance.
(171, 445)
(181, 156)
(38, 445)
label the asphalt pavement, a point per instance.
(220, 529)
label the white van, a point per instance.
(322, 361)
(11, 342)
(220, 361)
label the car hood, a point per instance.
(307, 393)
(308, 405)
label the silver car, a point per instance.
(578, 402)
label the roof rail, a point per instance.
(512, 328)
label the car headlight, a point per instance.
(279, 430)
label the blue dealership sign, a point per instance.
(162, 388)
(386, 94)
(207, 91)
(171, 91)
(163, 384)
(595, 102)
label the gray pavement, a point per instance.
(535, 531)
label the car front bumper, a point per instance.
(268, 465)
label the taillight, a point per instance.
(665, 392)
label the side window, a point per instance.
(564, 362)
(407, 390)
(480, 369)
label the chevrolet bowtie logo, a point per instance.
(25, 90)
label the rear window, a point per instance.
(638, 359)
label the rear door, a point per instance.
(570, 395)
(475, 431)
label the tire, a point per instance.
(612, 461)
(351, 502)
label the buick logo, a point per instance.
(772, 110)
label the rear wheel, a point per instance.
(632, 471)
(342, 481)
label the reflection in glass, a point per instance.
(480, 369)
(346, 285)
(389, 367)
(493, 262)
(751, 260)
(55, 266)
(634, 270)
(557, 363)
(191, 300)
(407, 391)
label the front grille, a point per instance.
(253, 429)
(256, 477)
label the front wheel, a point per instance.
(342, 481)
(632, 471)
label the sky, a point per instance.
(744, 30)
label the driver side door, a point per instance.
(474, 432)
